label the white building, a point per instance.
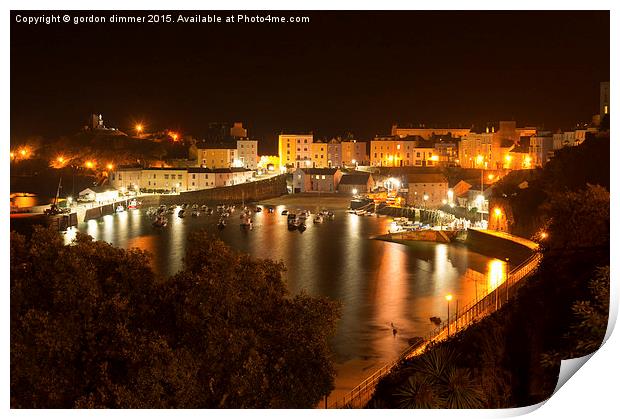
(200, 178)
(247, 154)
(126, 178)
(232, 176)
(165, 179)
(98, 194)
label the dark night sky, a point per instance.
(345, 71)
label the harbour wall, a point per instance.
(503, 248)
(248, 192)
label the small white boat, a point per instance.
(120, 208)
(318, 219)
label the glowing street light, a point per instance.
(12, 155)
(544, 235)
(110, 166)
(60, 159)
(354, 191)
(139, 128)
(497, 212)
(89, 164)
(23, 152)
(491, 176)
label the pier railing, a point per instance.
(462, 318)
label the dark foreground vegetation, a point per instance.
(512, 358)
(92, 326)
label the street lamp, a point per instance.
(448, 299)
(139, 128)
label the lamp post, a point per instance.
(448, 299)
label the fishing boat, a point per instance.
(246, 221)
(301, 227)
(292, 221)
(318, 219)
(119, 208)
(160, 221)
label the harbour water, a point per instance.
(379, 283)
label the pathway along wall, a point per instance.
(249, 192)
(497, 247)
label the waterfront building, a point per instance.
(200, 178)
(98, 194)
(403, 152)
(356, 182)
(247, 153)
(232, 176)
(354, 153)
(319, 154)
(316, 180)
(215, 155)
(427, 190)
(475, 150)
(334, 153)
(126, 178)
(164, 179)
(447, 151)
(295, 150)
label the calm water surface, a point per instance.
(378, 282)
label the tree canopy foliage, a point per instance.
(92, 326)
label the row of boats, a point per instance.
(297, 221)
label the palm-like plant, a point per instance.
(435, 382)
(419, 392)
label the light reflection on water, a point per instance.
(378, 282)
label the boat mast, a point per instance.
(57, 191)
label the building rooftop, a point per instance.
(165, 168)
(129, 167)
(315, 171)
(100, 189)
(426, 178)
(358, 178)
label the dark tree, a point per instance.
(91, 326)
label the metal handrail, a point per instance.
(476, 309)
